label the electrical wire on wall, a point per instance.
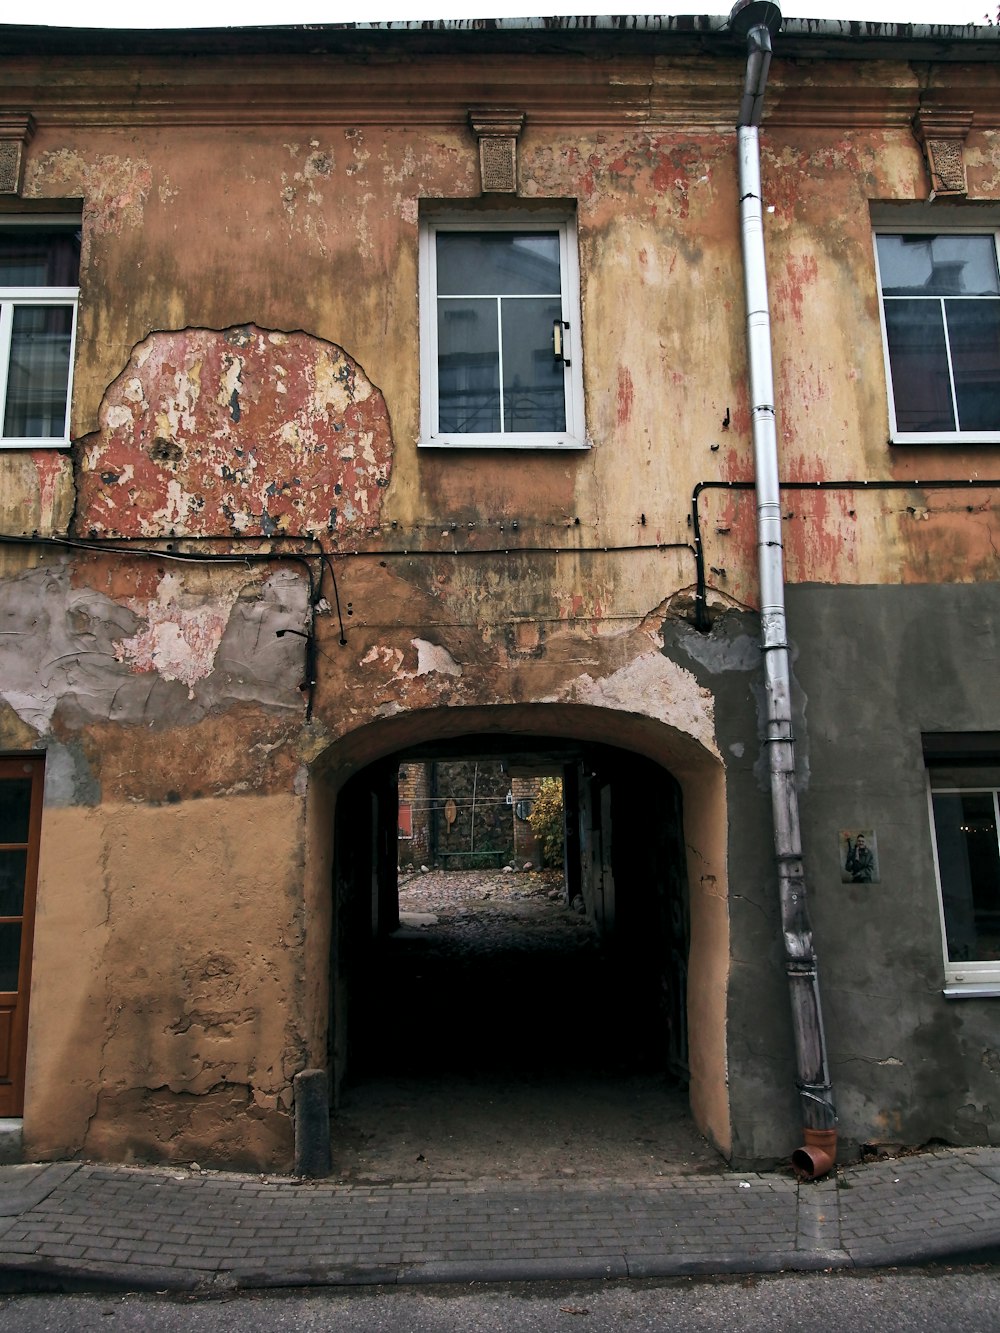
(327, 559)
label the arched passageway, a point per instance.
(567, 996)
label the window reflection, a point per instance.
(498, 298)
(965, 826)
(941, 300)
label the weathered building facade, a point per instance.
(323, 498)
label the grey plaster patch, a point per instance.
(252, 662)
(719, 652)
(58, 641)
(61, 650)
(69, 779)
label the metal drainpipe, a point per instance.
(757, 21)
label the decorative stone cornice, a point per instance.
(942, 135)
(16, 130)
(556, 92)
(497, 129)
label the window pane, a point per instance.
(498, 263)
(921, 390)
(534, 392)
(938, 265)
(10, 953)
(974, 334)
(468, 367)
(969, 861)
(15, 809)
(12, 869)
(39, 372)
(39, 257)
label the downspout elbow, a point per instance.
(818, 1154)
(755, 21)
(755, 84)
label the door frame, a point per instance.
(14, 1004)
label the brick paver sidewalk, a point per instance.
(68, 1224)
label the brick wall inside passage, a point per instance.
(414, 809)
(524, 791)
(473, 819)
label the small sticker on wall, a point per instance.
(858, 856)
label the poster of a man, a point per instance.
(858, 857)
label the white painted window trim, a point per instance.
(900, 228)
(962, 980)
(10, 298)
(574, 436)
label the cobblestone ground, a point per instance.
(476, 912)
(503, 1044)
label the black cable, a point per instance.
(514, 550)
(328, 563)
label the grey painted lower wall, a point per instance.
(875, 669)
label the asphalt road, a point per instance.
(932, 1300)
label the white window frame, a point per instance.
(10, 299)
(962, 979)
(896, 436)
(574, 436)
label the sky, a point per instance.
(224, 13)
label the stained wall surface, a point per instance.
(271, 569)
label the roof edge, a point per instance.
(815, 38)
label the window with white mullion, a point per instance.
(39, 269)
(503, 413)
(951, 366)
(490, 368)
(38, 354)
(941, 324)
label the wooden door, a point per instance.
(20, 827)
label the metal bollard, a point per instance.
(312, 1123)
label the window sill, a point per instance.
(949, 440)
(504, 442)
(971, 990)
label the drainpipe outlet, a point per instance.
(749, 14)
(817, 1156)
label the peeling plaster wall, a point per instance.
(36, 493)
(319, 233)
(170, 974)
(239, 433)
(232, 332)
(169, 931)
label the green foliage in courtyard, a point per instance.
(546, 820)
